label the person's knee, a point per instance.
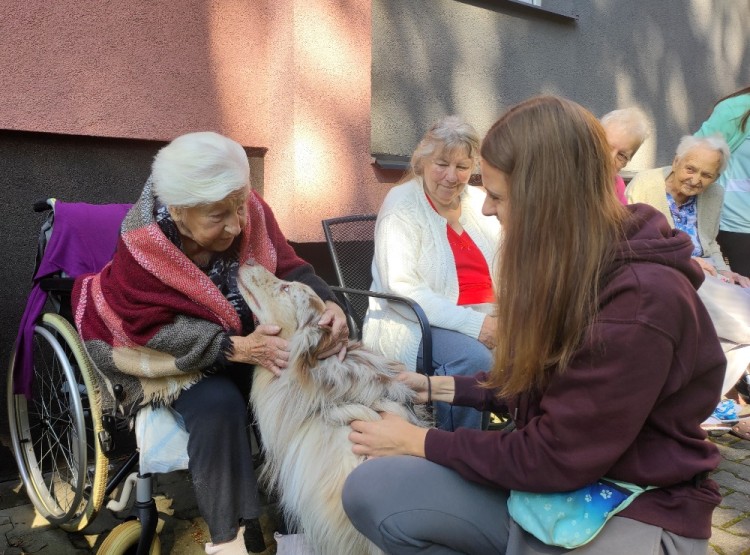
(469, 361)
(355, 494)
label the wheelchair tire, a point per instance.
(55, 432)
(123, 540)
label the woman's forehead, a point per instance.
(455, 152)
(232, 200)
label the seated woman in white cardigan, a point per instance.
(433, 244)
(687, 194)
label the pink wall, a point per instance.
(290, 76)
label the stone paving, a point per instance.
(183, 532)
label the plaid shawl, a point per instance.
(151, 320)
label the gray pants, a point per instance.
(221, 460)
(408, 505)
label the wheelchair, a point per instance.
(62, 443)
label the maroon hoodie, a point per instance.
(630, 404)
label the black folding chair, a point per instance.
(351, 242)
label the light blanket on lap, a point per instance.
(729, 307)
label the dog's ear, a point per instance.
(309, 341)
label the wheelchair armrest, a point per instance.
(422, 320)
(57, 284)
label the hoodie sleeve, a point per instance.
(628, 405)
(587, 418)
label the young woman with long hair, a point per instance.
(605, 357)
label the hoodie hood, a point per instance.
(649, 238)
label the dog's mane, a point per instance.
(304, 415)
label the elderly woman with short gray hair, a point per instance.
(165, 319)
(687, 194)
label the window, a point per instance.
(561, 8)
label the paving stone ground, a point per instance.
(183, 532)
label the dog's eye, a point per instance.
(285, 288)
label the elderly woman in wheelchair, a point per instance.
(165, 324)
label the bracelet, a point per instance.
(429, 389)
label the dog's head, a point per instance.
(291, 305)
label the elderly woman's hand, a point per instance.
(488, 333)
(706, 266)
(335, 319)
(734, 277)
(261, 348)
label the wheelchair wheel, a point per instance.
(55, 432)
(123, 540)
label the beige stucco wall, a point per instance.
(286, 75)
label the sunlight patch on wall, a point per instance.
(626, 98)
(723, 27)
(329, 51)
(678, 103)
(309, 162)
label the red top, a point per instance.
(620, 189)
(474, 281)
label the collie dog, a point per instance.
(304, 415)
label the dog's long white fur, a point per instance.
(304, 414)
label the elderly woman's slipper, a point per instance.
(716, 427)
(741, 429)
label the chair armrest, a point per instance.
(424, 323)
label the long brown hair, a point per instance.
(564, 222)
(746, 116)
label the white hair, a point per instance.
(199, 168)
(714, 142)
(632, 120)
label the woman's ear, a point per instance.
(175, 212)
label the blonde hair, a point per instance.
(564, 222)
(199, 168)
(449, 135)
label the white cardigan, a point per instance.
(414, 259)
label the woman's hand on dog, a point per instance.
(442, 388)
(261, 348)
(390, 436)
(335, 319)
(417, 383)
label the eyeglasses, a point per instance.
(622, 158)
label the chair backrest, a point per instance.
(351, 242)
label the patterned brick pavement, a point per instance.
(183, 532)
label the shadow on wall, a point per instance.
(479, 58)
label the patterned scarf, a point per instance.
(154, 322)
